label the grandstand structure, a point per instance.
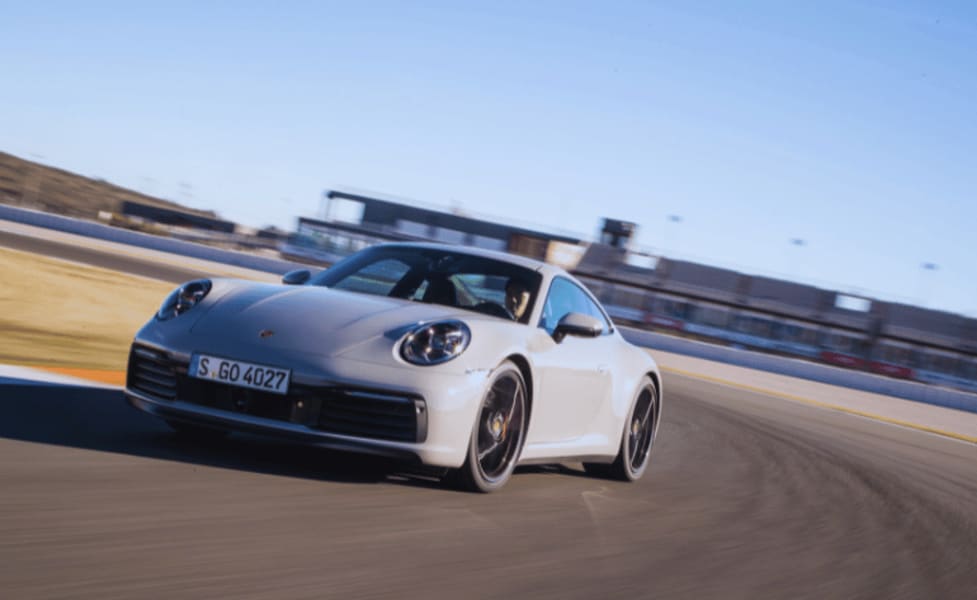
(377, 220)
(680, 297)
(773, 315)
(176, 217)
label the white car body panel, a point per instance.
(581, 388)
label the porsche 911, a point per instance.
(468, 360)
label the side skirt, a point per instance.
(548, 460)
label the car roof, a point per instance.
(515, 259)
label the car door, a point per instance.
(574, 374)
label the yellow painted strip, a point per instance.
(759, 390)
(101, 376)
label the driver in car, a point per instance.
(516, 298)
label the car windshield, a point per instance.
(437, 276)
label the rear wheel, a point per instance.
(498, 433)
(636, 440)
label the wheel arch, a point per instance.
(656, 379)
(522, 363)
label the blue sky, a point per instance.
(850, 125)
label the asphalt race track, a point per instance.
(747, 496)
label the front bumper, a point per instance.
(425, 418)
(221, 419)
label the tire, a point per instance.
(196, 433)
(497, 434)
(637, 438)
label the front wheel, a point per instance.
(636, 440)
(497, 434)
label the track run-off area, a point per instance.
(748, 495)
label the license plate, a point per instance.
(241, 374)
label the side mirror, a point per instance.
(296, 277)
(577, 324)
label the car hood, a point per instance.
(311, 318)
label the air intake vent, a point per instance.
(152, 373)
(378, 416)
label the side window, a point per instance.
(378, 279)
(566, 297)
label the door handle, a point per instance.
(602, 368)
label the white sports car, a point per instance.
(469, 360)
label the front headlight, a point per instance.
(435, 343)
(183, 299)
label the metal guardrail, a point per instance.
(144, 240)
(802, 369)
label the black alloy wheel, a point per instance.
(640, 430)
(498, 433)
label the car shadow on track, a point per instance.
(101, 419)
